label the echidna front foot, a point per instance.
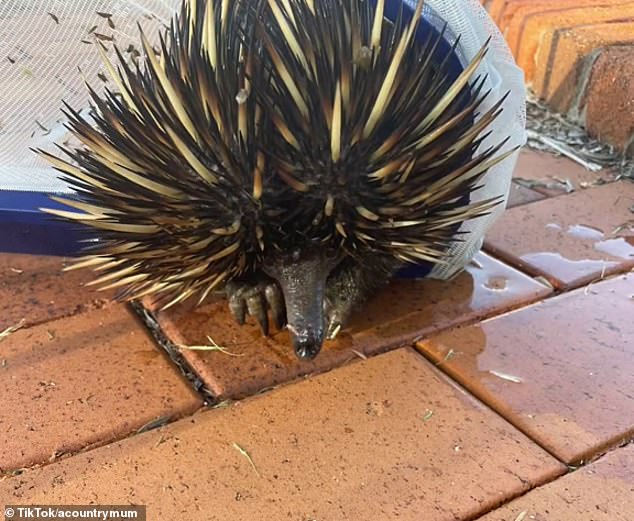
(314, 291)
(255, 296)
(350, 285)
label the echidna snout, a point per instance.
(302, 275)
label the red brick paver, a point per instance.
(503, 11)
(529, 26)
(566, 57)
(79, 381)
(577, 55)
(603, 491)
(383, 439)
(559, 172)
(405, 310)
(571, 240)
(561, 370)
(610, 93)
(520, 195)
(34, 289)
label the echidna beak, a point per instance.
(307, 343)
(302, 277)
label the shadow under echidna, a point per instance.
(295, 153)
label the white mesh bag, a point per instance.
(44, 42)
(469, 19)
(42, 45)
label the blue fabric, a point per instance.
(24, 229)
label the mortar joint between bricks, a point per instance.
(577, 111)
(150, 321)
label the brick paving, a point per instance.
(571, 240)
(552, 176)
(416, 309)
(520, 195)
(513, 384)
(577, 55)
(571, 392)
(599, 492)
(515, 406)
(34, 290)
(611, 92)
(385, 438)
(81, 381)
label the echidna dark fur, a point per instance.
(295, 152)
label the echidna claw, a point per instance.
(333, 330)
(275, 300)
(256, 305)
(336, 314)
(255, 298)
(236, 305)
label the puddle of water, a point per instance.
(581, 231)
(566, 269)
(622, 247)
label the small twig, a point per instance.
(335, 332)
(161, 440)
(247, 456)
(601, 277)
(566, 183)
(559, 184)
(154, 424)
(507, 377)
(564, 149)
(359, 354)
(629, 225)
(224, 404)
(450, 354)
(11, 329)
(544, 281)
(211, 347)
(103, 37)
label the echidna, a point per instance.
(296, 152)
